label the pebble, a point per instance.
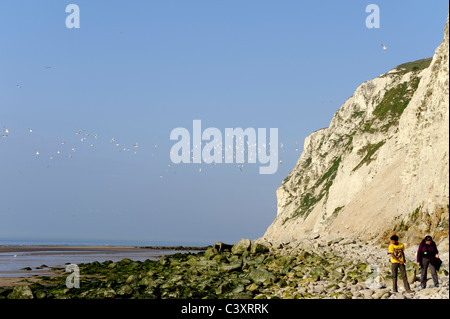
(370, 253)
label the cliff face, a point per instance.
(382, 166)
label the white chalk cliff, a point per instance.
(383, 162)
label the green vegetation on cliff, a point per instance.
(319, 190)
(391, 107)
(414, 66)
(368, 151)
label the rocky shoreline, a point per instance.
(195, 248)
(312, 268)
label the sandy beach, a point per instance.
(15, 259)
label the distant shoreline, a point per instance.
(175, 247)
(68, 248)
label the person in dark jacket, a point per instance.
(426, 253)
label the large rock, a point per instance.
(210, 252)
(21, 292)
(259, 246)
(132, 279)
(234, 266)
(242, 246)
(222, 247)
(108, 293)
(260, 275)
(381, 292)
(124, 290)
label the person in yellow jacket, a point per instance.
(397, 251)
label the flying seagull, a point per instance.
(19, 86)
(384, 48)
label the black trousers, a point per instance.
(423, 275)
(395, 267)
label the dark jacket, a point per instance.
(426, 251)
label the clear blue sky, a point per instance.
(135, 70)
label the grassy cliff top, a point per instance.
(415, 66)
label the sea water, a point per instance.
(93, 242)
(12, 263)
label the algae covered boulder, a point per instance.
(242, 246)
(21, 292)
(260, 275)
(260, 246)
(233, 266)
(125, 290)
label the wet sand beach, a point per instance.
(18, 263)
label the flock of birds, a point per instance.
(82, 133)
(84, 136)
(251, 150)
(89, 139)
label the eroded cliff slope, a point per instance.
(382, 166)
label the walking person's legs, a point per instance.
(404, 277)
(423, 274)
(394, 268)
(434, 275)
